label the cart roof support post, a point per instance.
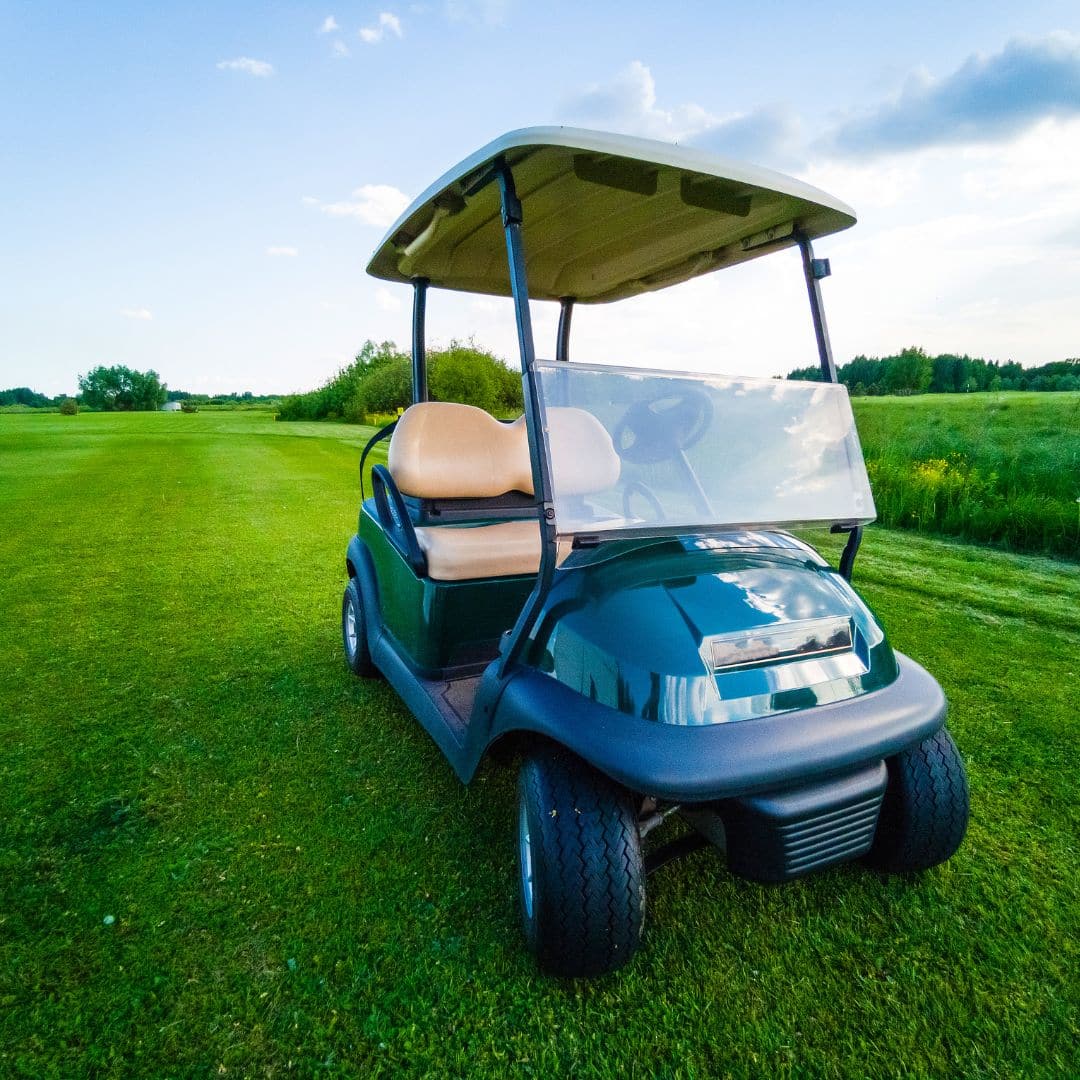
(419, 351)
(562, 342)
(534, 419)
(814, 270)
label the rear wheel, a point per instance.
(581, 880)
(354, 634)
(924, 814)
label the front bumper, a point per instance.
(722, 761)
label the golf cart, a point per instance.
(606, 587)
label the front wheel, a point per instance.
(924, 814)
(582, 879)
(354, 633)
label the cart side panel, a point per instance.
(438, 625)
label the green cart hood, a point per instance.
(711, 631)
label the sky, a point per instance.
(197, 188)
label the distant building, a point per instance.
(171, 406)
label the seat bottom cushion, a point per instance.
(466, 552)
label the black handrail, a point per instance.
(394, 518)
(378, 437)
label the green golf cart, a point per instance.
(606, 587)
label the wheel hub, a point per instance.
(525, 860)
(350, 628)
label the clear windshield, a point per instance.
(634, 451)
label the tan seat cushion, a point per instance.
(465, 552)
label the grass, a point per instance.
(997, 468)
(222, 855)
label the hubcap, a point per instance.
(350, 627)
(525, 860)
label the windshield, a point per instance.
(634, 451)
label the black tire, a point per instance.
(354, 635)
(924, 814)
(587, 875)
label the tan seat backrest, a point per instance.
(442, 450)
(583, 458)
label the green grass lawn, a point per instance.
(221, 854)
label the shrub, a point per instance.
(188, 406)
(385, 389)
(379, 381)
(69, 407)
(474, 376)
(465, 375)
(339, 396)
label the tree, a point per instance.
(373, 356)
(119, 388)
(943, 380)
(908, 373)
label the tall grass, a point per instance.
(995, 468)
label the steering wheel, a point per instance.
(656, 430)
(639, 487)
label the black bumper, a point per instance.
(723, 761)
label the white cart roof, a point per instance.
(605, 217)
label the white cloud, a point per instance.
(283, 250)
(770, 134)
(309, 200)
(627, 103)
(986, 99)
(387, 24)
(986, 228)
(329, 25)
(385, 300)
(339, 48)
(482, 12)
(259, 68)
(140, 313)
(371, 204)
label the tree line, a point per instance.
(238, 400)
(122, 389)
(105, 389)
(913, 371)
(379, 382)
(29, 399)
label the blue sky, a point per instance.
(197, 188)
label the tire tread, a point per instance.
(925, 812)
(589, 879)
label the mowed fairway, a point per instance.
(222, 854)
